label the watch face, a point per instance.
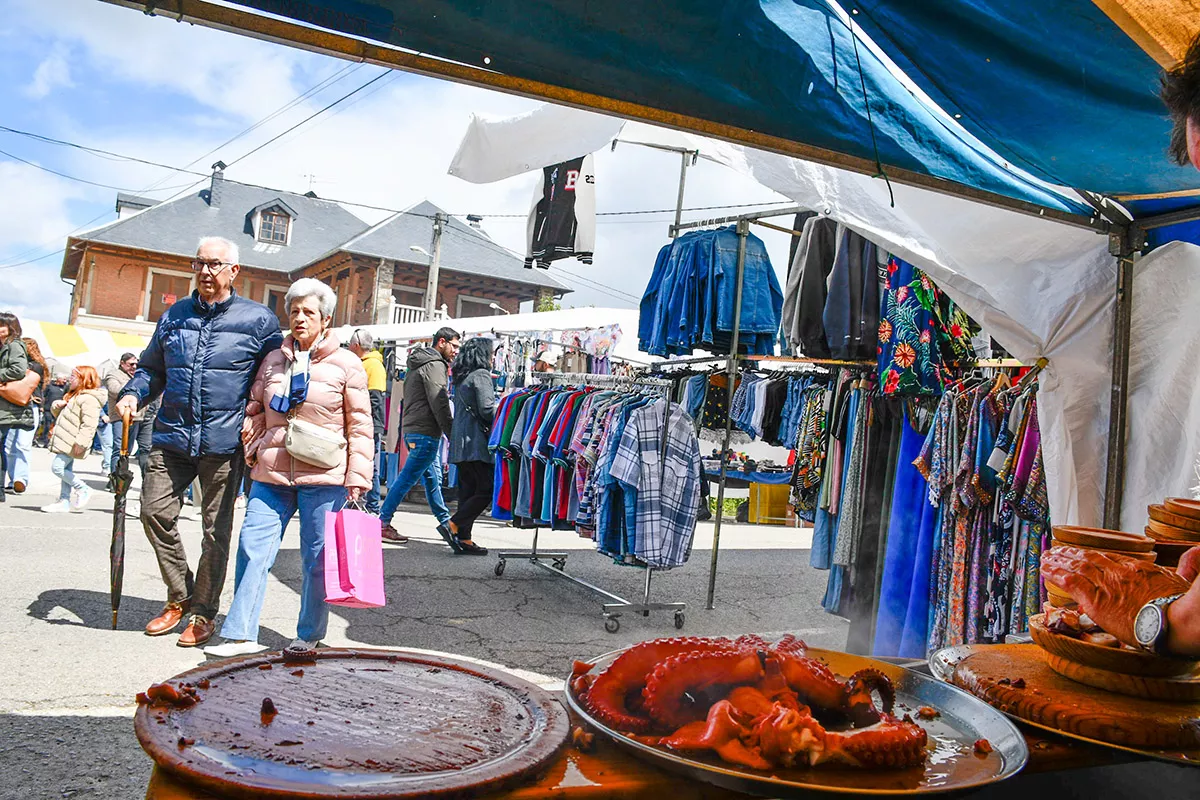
(1147, 625)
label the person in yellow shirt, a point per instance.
(362, 344)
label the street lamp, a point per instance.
(416, 248)
(498, 307)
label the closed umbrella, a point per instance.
(122, 478)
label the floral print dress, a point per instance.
(908, 354)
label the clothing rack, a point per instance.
(558, 560)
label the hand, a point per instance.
(353, 494)
(1189, 564)
(127, 406)
(1110, 590)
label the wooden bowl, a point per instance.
(1113, 659)
(1183, 506)
(1158, 530)
(1150, 556)
(1059, 598)
(1159, 513)
(1169, 553)
(1103, 539)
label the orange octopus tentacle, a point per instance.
(889, 743)
(693, 673)
(721, 732)
(605, 699)
(860, 703)
(813, 681)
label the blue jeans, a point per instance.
(371, 500)
(424, 464)
(18, 444)
(268, 512)
(62, 469)
(104, 431)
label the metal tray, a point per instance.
(943, 662)
(952, 765)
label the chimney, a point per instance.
(473, 220)
(218, 178)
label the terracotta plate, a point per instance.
(1114, 659)
(1104, 539)
(1150, 556)
(1160, 531)
(1159, 513)
(952, 765)
(355, 724)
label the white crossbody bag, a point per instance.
(312, 444)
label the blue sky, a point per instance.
(111, 78)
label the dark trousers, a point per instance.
(371, 501)
(168, 475)
(135, 430)
(474, 494)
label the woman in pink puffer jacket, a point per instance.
(322, 389)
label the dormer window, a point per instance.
(273, 227)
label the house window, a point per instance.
(273, 227)
(273, 299)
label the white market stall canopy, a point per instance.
(75, 345)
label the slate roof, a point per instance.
(174, 227)
(464, 249)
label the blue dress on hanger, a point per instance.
(901, 626)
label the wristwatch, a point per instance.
(1150, 624)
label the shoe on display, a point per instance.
(232, 647)
(60, 507)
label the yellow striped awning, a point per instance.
(74, 345)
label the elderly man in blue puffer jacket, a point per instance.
(204, 354)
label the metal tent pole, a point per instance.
(1124, 243)
(743, 230)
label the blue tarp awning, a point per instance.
(1052, 91)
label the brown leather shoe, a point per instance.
(198, 631)
(390, 534)
(166, 622)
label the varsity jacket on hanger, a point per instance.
(562, 222)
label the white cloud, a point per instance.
(51, 74)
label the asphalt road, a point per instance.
(68, 680)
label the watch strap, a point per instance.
(1159, 646)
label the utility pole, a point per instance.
(439, 219)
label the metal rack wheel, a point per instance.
(560, 564)
(612, 624)
(679, 620)
(499, 569)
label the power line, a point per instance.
(72, 177)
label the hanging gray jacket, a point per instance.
(426, 402)
(474, 402)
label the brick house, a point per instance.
(129, 271)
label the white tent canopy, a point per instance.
(1041, 288)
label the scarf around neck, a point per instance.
(297, 379)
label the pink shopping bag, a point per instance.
(353, 559)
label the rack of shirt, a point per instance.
(607, 456)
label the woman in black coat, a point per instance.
(474, 408)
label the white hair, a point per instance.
(363, 338)
(311, 287)
(231, 249)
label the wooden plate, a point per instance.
(1150, 556)
(1050, 701)
(1184, 688)
(1059, 598)
(952, 765)
(355, 724)
(1169, 553)
(1114, 659)
(1183, 506)
(1104, 539)
(1158, 530)
(1159, 513)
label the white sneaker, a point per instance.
(79, 499)
(61, 507)
(232, 648)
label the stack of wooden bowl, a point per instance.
(1175, 528)
(1113, 543)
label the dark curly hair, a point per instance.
(1181, 93)
(475, 354)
